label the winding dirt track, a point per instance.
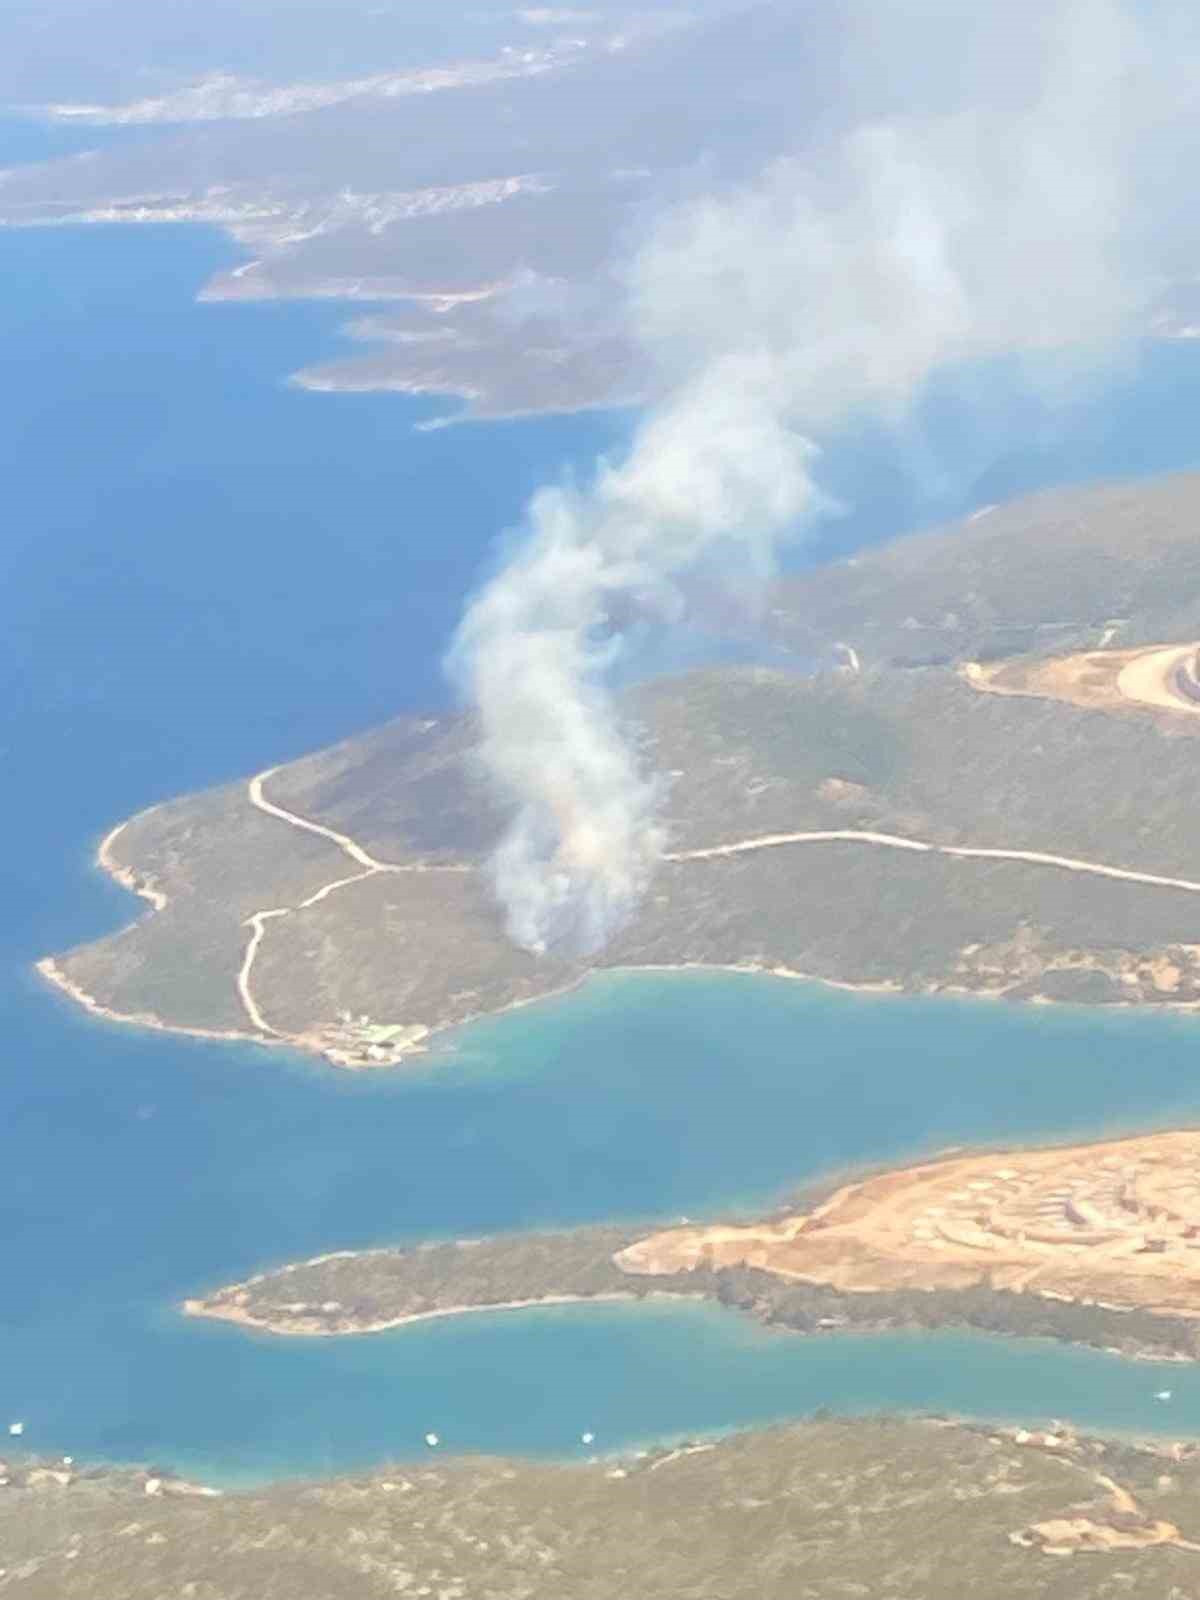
(257, 920)
(1146, 679)
(891, 841)
(342, 840)
(769, 841)
(1129, 677)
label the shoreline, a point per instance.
(126, 876)
(884, 986)
(800, 1297)
(760, 1312)
(202, 1309)
(759, 970)
(146, 888)
(49, 969)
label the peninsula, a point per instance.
(1098, 1244)
(979, 779)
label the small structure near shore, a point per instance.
(358, 1042)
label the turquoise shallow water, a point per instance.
(204, 571)
(139, 1170)
(532, 1382)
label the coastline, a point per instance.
(126, 876)
(757, 969)
(146, 889)
(751, 1266)
(881, 986)
(313, 1045)
(49, 969)
(1148, 1335)
(198, 1307)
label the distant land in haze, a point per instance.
(471, 182)
(466, 179)
(887, 822)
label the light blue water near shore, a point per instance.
(139, 1170)
(532, 1382)
(204, 571)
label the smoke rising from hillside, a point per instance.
(1021, 213)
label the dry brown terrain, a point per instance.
(1116, 1223)
(1099, 679)
(1122, 1525)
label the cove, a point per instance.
(139, 1170)
(531, 1383)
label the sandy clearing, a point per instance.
(1149, 680)
(1065, 1222)
(1102, 679)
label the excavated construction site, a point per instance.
(1159, 677)
(1117, 1224)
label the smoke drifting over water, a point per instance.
(1020, 215)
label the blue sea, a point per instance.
(205, 571)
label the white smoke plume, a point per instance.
(1017, 215)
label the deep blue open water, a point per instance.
(203, 571)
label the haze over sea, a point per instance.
(205, 572)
